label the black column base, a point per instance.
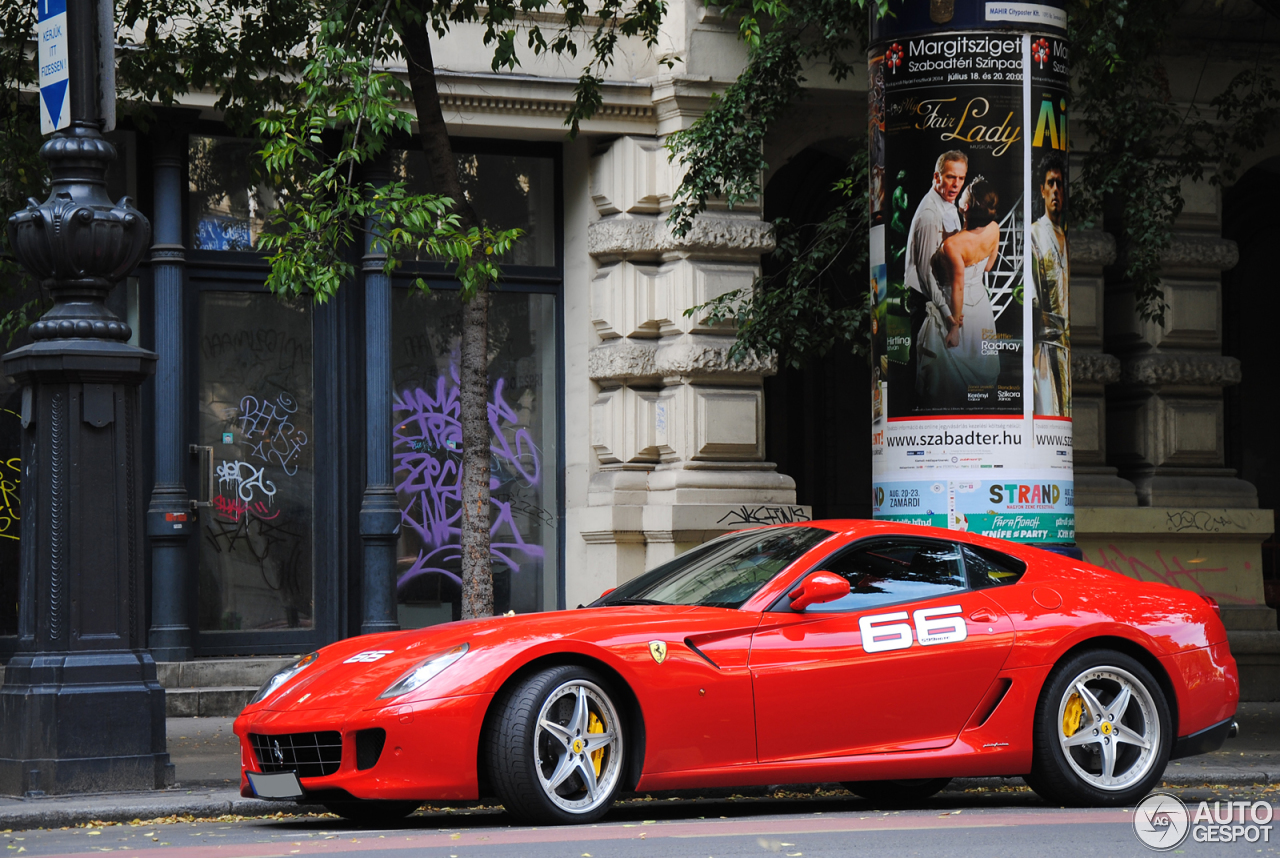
(84, 722)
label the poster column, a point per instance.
(971, 398)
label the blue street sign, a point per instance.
(55, 68)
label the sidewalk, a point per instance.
(206, 758)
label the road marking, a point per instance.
(771, 825)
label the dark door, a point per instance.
(266, 462)
(899, 664)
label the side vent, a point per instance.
(990, 701)
(690, 644)
(369, 747)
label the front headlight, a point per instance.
(269, 687)
(424, 671)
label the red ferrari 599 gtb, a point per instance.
(887, 657)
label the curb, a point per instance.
(56, 813)
(118, 809)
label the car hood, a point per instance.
(352, 673)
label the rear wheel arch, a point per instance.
(1140, 654)
(632, 714)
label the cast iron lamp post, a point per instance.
(80, 708)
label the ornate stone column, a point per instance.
(1096, 482)
(1165, 417)
(677, 428)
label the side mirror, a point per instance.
(607, 592)
(818, 587)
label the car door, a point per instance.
(898, 664)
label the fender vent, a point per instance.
(311, 755)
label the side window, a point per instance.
(900, 570)
(988, 568)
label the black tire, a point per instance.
(1075, 774)
(525, 758)
(372, 813)
(898, 792)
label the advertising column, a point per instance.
(971, 398)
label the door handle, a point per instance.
(982, 615)
(204, 491)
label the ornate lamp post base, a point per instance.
(81, 708)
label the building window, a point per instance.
(427, 449)
(257, 412)
(228, 205)
(506, 191)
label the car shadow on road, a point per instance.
(640, 810)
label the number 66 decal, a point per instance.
(885, 632)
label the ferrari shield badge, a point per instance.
(658, 649)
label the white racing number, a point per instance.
(368, 655)
(886, 632)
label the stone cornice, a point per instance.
(1094, 368)
(621, 360)
(628, 237)
(471, 92)
(627, 360)
(1188, 250)
(1201, 251)
(1091, 247)
(1181, 369)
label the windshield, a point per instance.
(723, 573)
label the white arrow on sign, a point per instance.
(55, 65)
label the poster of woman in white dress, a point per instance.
(961, 354)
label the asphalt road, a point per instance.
(979, 823)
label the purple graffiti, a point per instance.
(427, 448)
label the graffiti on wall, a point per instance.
(428, 467)
(10, 501)
(269, 429)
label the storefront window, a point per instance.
(428, 453)
(257, 412)
(229, 207)
(506, 191)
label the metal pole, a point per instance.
(170, 520)
(379, 511)
(80, 706)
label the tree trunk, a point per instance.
(477, 574)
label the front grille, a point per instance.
(311, 755)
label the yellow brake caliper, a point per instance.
(595, 725)
(1072, 715)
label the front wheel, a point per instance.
(1102, 732)
(555, 748)
(898, 792)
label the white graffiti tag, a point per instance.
(271, 424)
(245, 479)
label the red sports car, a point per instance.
(887, 657)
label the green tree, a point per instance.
(305, 78)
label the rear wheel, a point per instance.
(556, 747)
(898, 792)
(1102, 732)
(372, 813)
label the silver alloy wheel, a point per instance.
(564, 744)
(1112, 743)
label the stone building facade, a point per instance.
(632, 436)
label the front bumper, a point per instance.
(429, 754)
